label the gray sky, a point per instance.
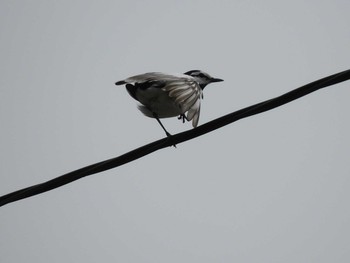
(270, 188)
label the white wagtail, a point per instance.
(168, 95)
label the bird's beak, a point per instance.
(216, 80)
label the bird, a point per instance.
(163, 95)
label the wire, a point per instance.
(174, 139)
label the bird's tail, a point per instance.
(121, 82)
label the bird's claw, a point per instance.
(182, 116)
(169, 138)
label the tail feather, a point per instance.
(121, 82)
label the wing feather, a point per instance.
(187, 95)
(193, 113)
(188, 103)
(181, 94)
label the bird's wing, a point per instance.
(151, 77)
(187, 95)
(186, 92)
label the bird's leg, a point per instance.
(182, 116)
(161, 124)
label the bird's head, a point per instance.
(202, 78)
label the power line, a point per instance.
(175, 139)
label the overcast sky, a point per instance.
(270, 188)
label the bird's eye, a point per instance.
(201, 75)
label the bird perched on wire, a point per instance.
(168, 95)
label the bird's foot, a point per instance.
(183, 117)
(170, 138)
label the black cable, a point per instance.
(174, 139)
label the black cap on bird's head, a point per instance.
(202, 78)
